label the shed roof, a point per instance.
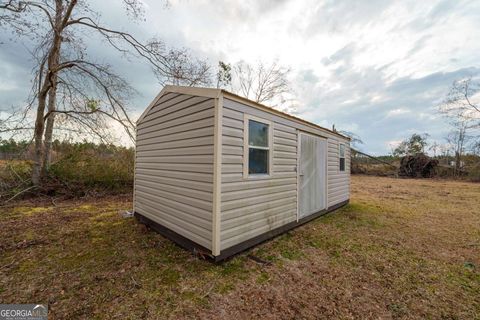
(217, 93)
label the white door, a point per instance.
(311, 174)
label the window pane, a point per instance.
(257, 161)
(342, 151)
(342, 164)
(257, 134)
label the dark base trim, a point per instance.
(224, 254)
(229, 252)
(175, 237)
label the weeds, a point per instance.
(85, 168)
(79, 169)
(403, 248)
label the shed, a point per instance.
(218, 173)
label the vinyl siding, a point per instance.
(338, 185)
(174, 170)
(251, 207)
(174, 165)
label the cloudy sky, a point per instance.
(377, 68)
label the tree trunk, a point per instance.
(457, 163)
(49, 131)
(38, 135)
(42, 146)
(52, 100)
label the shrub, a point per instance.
(89, 166)
(14, 177)
(474, 173)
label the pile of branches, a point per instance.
(417, 166)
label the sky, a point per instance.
(376, 68)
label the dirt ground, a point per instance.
(401, 249)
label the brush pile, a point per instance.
(417, 166)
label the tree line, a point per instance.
(75, 94)
(462, 111)
(72, 92)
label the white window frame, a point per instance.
(340, 157)
(246, 147)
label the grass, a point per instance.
(400, 249)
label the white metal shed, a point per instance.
(218, 173)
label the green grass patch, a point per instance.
(410, 252)
(263, 277)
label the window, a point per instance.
(342, 157)
(257, 147)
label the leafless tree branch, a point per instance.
(72, 86)
(263, 83)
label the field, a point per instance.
(400, 249)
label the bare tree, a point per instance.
(13, 121)
(69, 85)
(462, 101)
(476, 148)
(355, 139)
(434, 147)
(458, 139)
(185, 70)
(262, 83)
(445, 150)
(461, 108)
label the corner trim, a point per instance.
(217, 175)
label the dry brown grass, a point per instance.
(401, 249)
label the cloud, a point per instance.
(397, 112)
(377, 68)
(340, 16)
(15, 74)
(379, 110)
